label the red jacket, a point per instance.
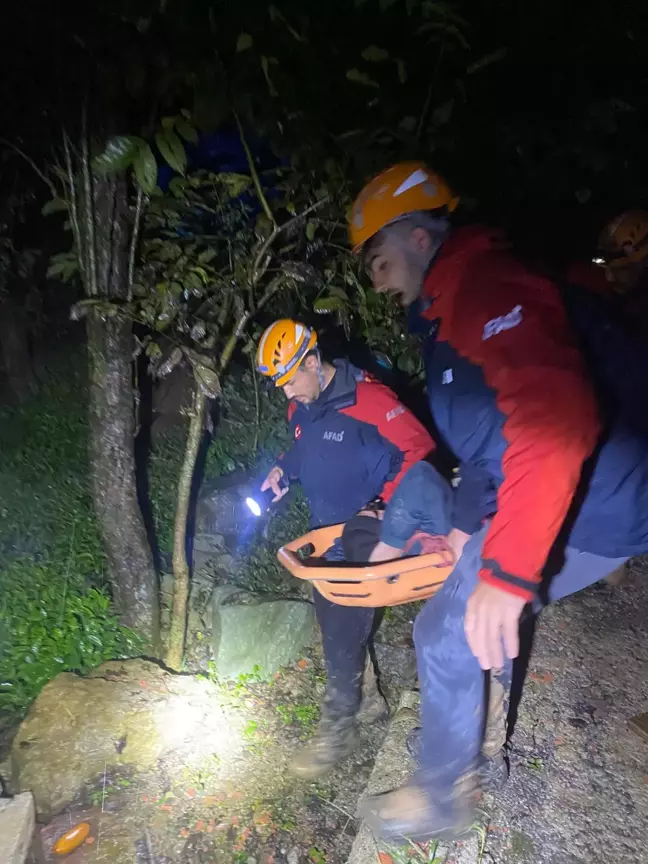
(510, 393)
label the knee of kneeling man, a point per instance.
(359, 537)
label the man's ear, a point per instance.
(311, 363)
(420, 241)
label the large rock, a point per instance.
(248, 632)
(123, 714)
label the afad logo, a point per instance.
(297, 431)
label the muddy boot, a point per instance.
(493, 769)
(411, 814)
(374, 705)
(334, 740)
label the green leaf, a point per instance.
(118, 154)
(178, 187)
(187, 131)
(374, 54)
(402, 71)
(63, 266)
(486, 60)
(265, 62)
(244, 42)
(442, 113)
(145, 168)
(168, 122)
(310, 230)
(329, 304)
(358, 77)
(56, 205)
(172, 150)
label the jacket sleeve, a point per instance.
(474, 498)
(516, 330)
(378, 405)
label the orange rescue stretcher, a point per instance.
(387, 584)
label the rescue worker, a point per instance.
(353, 441)
(511, 395)
(618, 270)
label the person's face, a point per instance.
(304, 386)
(398, 263)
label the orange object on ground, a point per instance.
(73, 838)
(387, 584)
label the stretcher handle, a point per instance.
(323, 538)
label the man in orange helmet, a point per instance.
(511, 395)
(619, 268)
(353, 441)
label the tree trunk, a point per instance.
(15, 350)
(175, 649)
(110, 347)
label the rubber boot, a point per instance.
(334, 740)
(374, 706)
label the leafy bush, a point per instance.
(54, 607)
(50, 628)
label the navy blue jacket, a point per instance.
(353, 443)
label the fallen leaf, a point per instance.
(210, 800)
(191, 793)
(541, 677)
(384, 858)
(90, 840)
(303, 664)
(263, 819)
(184, 832)
(166, 807)
(200, 825)
(144, 797)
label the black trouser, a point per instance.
(346, 630)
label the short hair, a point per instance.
(434, 221)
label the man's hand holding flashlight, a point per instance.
(272, 482)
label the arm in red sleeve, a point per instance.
(380, 406)
(551, 423)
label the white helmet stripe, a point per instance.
(415, 179)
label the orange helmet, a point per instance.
(402, 189)
(624, 240)
(282, 347)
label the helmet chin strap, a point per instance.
(320, 373)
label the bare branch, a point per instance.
(134, 238)
(256, 272)
(72, 202)
(91, 279)
(52, 188)
(254, 174)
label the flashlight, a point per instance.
(260, 502)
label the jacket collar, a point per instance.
(341, 391)
(444, 276)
